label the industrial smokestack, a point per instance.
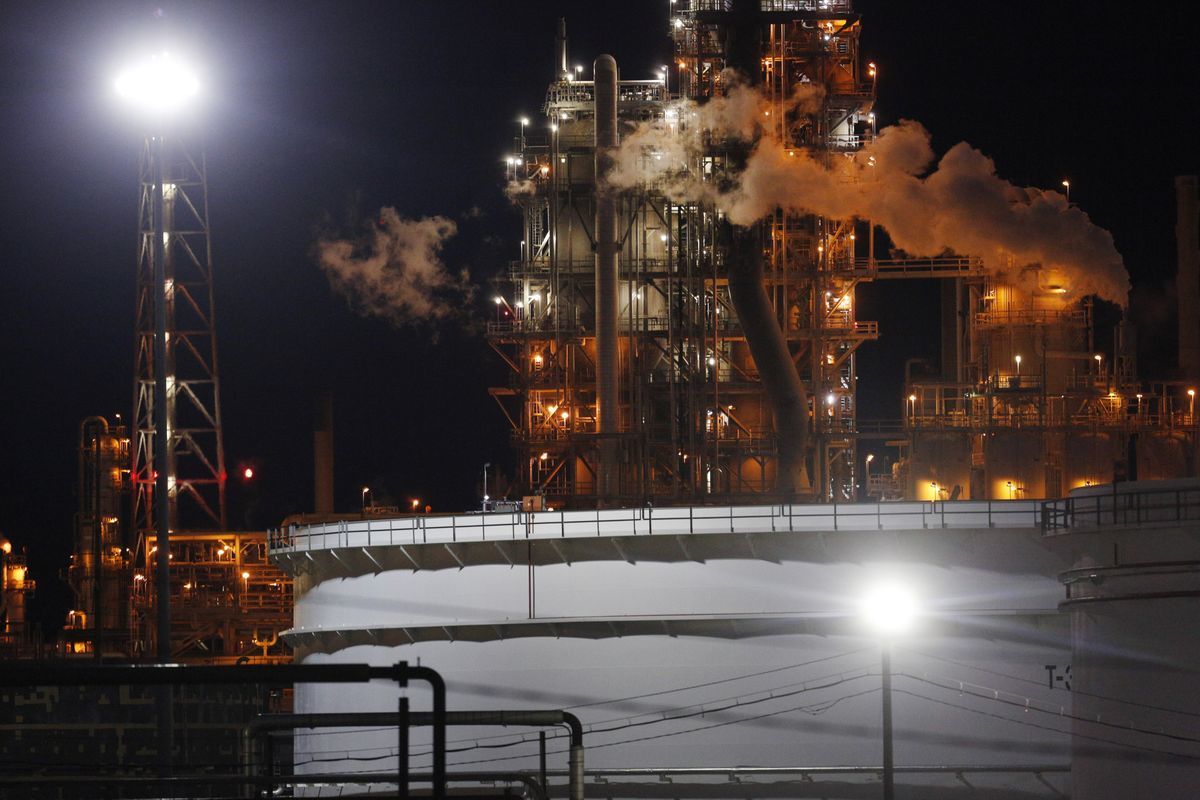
(323, 456)
(1187, 240)
(606, 273)
(560, 50)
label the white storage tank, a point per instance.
(699, 637)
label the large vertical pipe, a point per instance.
(607, 375)
(744, 247)
(1187, 240)
(323, 456)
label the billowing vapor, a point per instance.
(395, 271)
(959, 206)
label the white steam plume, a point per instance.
(395, 269)
(961, 206)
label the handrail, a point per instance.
(1120, 508)
(648, 521)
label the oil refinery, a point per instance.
(700, 568)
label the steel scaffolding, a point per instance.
(196, 458)
(694, 423)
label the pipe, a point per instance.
(1187, 242)
(434, 679)
(44, 674)
(784, 389)
(764, 336)
(607, 346)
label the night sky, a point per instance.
(318, 114)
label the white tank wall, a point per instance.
(489, 593)
(1143, 652)
(552, 673)
(556, 673)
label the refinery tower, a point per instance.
(683, 398)
(658, 353)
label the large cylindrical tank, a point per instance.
(700, 637)
(1133, 595)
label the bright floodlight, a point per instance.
(161, 83)
(889, 610)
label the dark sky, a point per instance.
(319, 111)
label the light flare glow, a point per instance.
(160, 83)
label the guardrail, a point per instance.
(1120, 508)
(649, 521)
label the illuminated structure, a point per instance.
(695, 420)
(101, 564)
(733, 346)
(1030, 408)
(195, 453)
(16, 588)
(228, 603)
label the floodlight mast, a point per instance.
(890, 612)
(159, 86)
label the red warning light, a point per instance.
(248, 473)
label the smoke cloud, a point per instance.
(395, 271)
(960, 205)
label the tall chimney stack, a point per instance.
(560, 50)
(607, 375)
(1187, 240)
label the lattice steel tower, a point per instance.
(195, 451)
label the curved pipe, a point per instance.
(784, 389)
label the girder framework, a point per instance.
(695, 424)
(196, 458)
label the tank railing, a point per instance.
(648, 520)
(1120, 508)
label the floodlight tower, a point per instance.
(176, 388)
(888, 612)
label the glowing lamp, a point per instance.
(889, 610)
(161, 84)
